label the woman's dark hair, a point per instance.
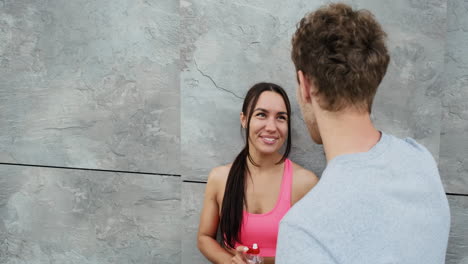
(234, 194)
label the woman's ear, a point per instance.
(243, 120)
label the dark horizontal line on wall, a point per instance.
(457, 194)
(88, 169)
(190, 181)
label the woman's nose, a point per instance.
(270, 125)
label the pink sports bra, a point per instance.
(263, 228)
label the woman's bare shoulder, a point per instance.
(303, 176)
(219, 174)
(217, 182)
(303, 181)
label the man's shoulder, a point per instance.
(391, 152)
(408, 145)
(411, 155)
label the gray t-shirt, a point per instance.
(386, 205)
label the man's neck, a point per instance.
(347, 133)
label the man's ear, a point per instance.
(305, 87)
(243, 120)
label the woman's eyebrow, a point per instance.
(264, 110)
(261, 109)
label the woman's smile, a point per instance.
(269, 140)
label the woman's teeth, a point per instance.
(269, 140)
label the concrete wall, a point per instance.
(53, 215)
(90, 84)
(454, 134)
(89, 131)
(112, 113)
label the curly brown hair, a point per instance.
(343, 51)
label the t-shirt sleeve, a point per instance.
(296, 246)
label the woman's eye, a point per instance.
(282, 117)
(261, 115)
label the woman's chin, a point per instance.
(267, 151)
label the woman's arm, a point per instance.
(209, 220)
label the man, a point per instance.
(380, 198)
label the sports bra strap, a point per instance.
(286, 185)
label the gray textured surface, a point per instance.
(95, 84)
(454, 136)
(71, 216)
(91, 84)
(457, 252)
(229, 45)
(192, 200)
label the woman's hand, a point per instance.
(239, 257)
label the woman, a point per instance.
(248, 198)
